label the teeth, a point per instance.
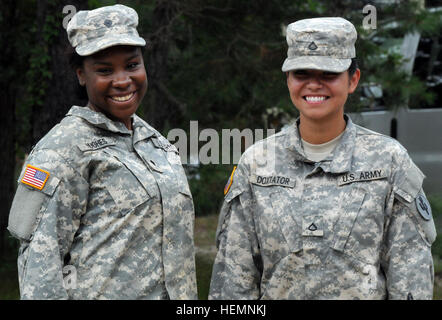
(314, 98)
(124, 98)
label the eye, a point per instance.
(300, 74)
(330, 75)
(133, 65)
(104, 70)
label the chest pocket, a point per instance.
(130, 184)
(358, 231)
(351, 206)
(179, 175)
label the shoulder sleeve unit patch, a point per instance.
(35, 177)
(229, 182)
(423, 206)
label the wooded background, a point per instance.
(215, 61)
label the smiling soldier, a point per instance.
(353, 223)
(103, 194)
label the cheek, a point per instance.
(142, 76)
(294, 90)
(96, 87)
(141, 80)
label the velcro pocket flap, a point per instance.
(346, 220)
(26, 206)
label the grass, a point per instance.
(204, 266)
(205, 229)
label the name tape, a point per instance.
(266, 181)
(358, 176)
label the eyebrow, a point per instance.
(306, 71)
(330, 72)
(110, 64)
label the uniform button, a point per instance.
(366, 270)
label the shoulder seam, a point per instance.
(68, 163)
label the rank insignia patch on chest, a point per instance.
(229, 182)
(35, 177)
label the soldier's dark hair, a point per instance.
(353, 67)
(75, 62)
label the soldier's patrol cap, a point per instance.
(90, 31)
(326, 44)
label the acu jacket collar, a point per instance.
(339, 161)
(140, 129)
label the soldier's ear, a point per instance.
(80, 76)
(354, 80)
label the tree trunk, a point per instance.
(60, 91)
(7, 119)
(164, 109)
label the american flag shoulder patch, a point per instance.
(35, 177)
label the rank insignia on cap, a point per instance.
(35, 177)
(229, 183)
(423, 206)
(312, 46)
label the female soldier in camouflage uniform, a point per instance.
(103, 198)
(325, 209)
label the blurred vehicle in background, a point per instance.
(417, 128)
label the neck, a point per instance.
(126, 122)
(315, 132)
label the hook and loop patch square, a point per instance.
(35, 177)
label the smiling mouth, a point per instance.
(123, 98)
(315, 99)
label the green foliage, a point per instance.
(34, 72)
(93, 4)
(39, 74)
(207, 185)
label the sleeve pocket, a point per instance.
(26, 208)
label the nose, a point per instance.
(314, 82)
(121, 80)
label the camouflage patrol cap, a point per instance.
(326, 44)
(90, 31)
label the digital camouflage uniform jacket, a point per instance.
(356, 225)
(115, 214)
